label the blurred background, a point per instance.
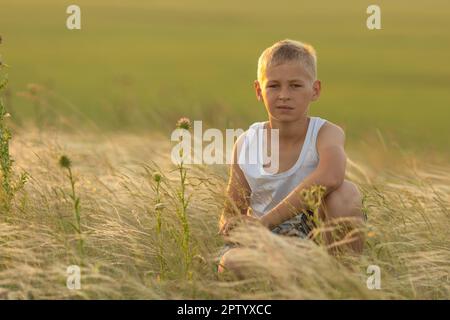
(141, 65)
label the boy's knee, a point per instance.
(347, 196)
(228, 262)
(345, 201)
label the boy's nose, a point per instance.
(284, 94)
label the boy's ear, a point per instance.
(258, 90)
(317, 88)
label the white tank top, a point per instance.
(267, 190)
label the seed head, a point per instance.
(157, 177)
(184, 123)
(65, 162)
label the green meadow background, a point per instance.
(140, 65)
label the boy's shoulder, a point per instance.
(330, 126)
(330, 134)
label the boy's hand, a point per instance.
(227, 226)
(234, 221)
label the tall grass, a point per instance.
(129, 240)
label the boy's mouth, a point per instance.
(285, 108)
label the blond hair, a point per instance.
(288, 50)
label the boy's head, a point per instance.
(287, 79)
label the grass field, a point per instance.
(108, 96)
(125, 256)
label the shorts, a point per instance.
(299, 226)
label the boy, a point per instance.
(311, 152)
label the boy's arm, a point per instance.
(329, 173)
(238, 190)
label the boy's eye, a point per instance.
(292, 85)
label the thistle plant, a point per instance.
(5, 137)
(5, 158)
(66, 164)
(312, 197)
(184, 124)
(6, 162)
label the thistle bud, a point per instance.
(65, 162)
(157, 177)
(184, 123)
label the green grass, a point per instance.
(142, 65)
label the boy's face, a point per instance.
(287, 90)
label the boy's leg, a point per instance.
(341, 210)
(228, 262)
(342, 214)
